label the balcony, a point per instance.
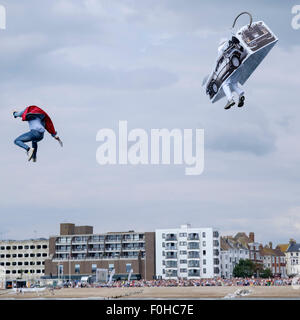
(171, 237)
(193, 236)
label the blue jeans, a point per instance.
(32, 135)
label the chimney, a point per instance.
(251, 236)
(270, 245)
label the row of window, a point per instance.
(190, 263)
(25, 255)
(25, 271)
(20, 263)
(295, 254)
(27, 247)
(191, 272)
(101, 238)
(190, 245)
(194, 236)
(94, 268)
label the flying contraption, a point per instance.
(243, 53)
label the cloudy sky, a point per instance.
(91, 63)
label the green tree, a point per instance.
(266, 273)
(244, 269)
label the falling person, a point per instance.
(38, 121)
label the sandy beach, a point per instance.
(154, 292)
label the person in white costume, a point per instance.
(229, 86)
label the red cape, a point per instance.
(36, 110)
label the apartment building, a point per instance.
(233, 249)
(78, 252)
(293, 258)
(273, 259)
(23, 259)
(187, 253)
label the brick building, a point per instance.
(78, 252)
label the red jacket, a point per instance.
(38, 111)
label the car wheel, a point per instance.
(214, 87)
(235, 61)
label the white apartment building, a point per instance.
(232, 251)
(187, 253)
(23, 259)
(292, 255)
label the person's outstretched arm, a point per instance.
(17, 114)
(55, 136)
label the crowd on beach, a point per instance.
(195, 282)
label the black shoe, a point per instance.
(229, 104)
(241, 101)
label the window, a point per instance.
(38, 263)
(204, 262)
(204, 252)
(38, 247)
(193, 254)
(38, 271)
(183, 261)
(8, 256)
(26, 255)
(183, 252)
(20, 263)
(32, 255)
(2, 248)
(204, 243)
(128, 267)
(171, 264)
(204, 270)
(216, 243)
(8, 248)
(32, 263)
(163, 236)
(44, 254)
(182, 243)
(111, 266)
(94, 268)
(26, 263)
(203, 234)
(32, 247)
(14, 255)
(216, 234)
(45, 246)
(14, 247)
(193, 245)
(7, 263)
(14, 263)
(2, 256)
(38, 254)
(77, 268)
(182, 235)
(193, 263)
(183, 270)
(26, 247)
(20, 247)
(20, 255)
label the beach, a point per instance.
(286, 292)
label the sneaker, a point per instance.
(241, 101)
(229, 104)
(30, 153)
